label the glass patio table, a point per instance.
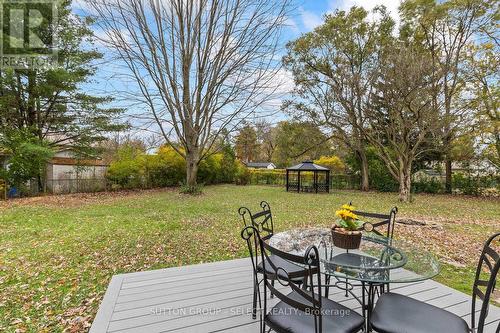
(378, 262)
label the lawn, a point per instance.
(57, 254)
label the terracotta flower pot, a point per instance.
(345, 239)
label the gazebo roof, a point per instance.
(307, 166)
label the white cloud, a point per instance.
(284, 79)
(310, 20)
(391, 5)
(280, 89)
(292, 25)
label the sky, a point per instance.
(307, 15)
(310, 12)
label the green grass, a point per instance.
(56, 259)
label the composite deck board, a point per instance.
(217, 297)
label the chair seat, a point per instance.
(396, 313)
(285, 264)
(336, 318)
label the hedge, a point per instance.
(134, 169)
(278, 177)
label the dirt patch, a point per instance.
(452, 241)
(420, 223)
(78, 199)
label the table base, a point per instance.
(369, 292)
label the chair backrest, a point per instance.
(251, 235)
(485, 281)
(308, 301)
(388, 220)
(262, 220)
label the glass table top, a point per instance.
(378, 260)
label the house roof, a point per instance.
(74, 161)
(430, 172)
(259, 164)
(308, 166)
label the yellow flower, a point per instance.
(345, 214)
(348, 207)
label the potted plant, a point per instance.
(346, 232)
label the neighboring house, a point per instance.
(66, 173)
(428, 174)
(260, 165)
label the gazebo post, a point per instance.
(316, 181)
(328, 181)
(287, 180)
(298, 182)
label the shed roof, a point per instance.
(259, 164)
(308, 166)
(79, 162)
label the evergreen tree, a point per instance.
(50, 102)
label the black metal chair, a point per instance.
(263, 222)
(300, 310)
(388, 220)
(381, 220)
(396, 313)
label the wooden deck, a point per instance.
(217, 297)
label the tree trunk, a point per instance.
(365, 182)
(191, 168)
(40, 183)
(448, 175)
(405, 184)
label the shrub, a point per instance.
(127, 171)
(168, 169)
(267, 177)
(133, 168)
(428, 185)
(28, 157)
(491, 192)
(466, 183)
(210, 169)
(242, 175)
(345, 182)
(380, 178)
(378, 174)
(333, 163)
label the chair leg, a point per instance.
(327, 282)
(254, 308)
(363, 304)
(304, 284)
(272, 284)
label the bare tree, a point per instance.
(483, 98)
(266, 137)
(445, 29)
(334, 68)
(201, 66)
(401, 118)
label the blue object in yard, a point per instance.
(13, 192)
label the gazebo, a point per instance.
(298, 178)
